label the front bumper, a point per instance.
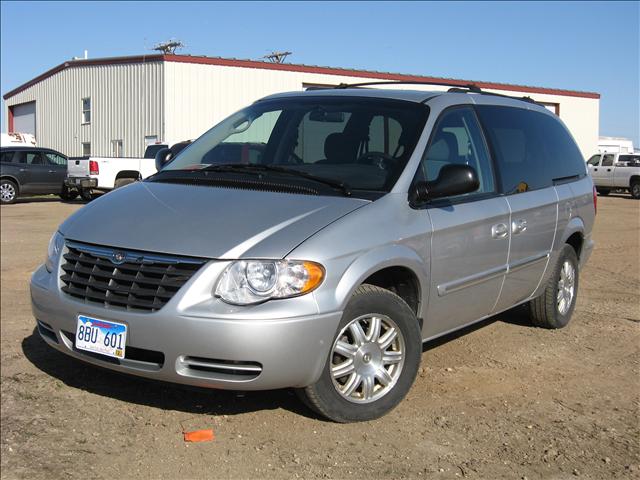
(81, 182)
(237, 351)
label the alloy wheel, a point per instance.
(367, 358)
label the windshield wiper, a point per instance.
(248, 167)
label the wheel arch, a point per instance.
(13, 179)
(396, 268)
(135, 174)
(573, 235)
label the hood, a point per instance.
(204, 221)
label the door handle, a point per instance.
(608, 169)
(52, 171)
(595, 169)
(518, 226)
(499, 230)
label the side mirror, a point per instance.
(452, 180)
(162, 158)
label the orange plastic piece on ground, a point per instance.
(199, 436)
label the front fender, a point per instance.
(369, 262)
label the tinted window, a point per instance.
(607, 160)
(34, 158)
(56, 159)
(595, 160)
(457, 139)
(7, 157)
(629, 158)
(532, 149)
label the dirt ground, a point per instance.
(500, 400)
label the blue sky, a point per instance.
(592, 46)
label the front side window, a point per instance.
(34, 158)
(532, 149)
(457, 140)
(594, 161)
(86, 110)
(55, 159)
(364, 143)
(607, 160)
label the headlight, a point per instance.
(55, 247)
(253, 281)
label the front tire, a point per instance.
(635, 190)
(8, 192)
(553, 309)
(373, 361)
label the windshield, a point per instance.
(361, 143)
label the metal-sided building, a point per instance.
(116, 106)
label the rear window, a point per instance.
(629, 158)
(532, 149)
(6, 157)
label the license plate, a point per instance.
(101, 336)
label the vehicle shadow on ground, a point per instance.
(516, 316)
(166, 396)
(52, 199)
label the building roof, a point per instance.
(291, 67)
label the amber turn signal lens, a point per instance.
(315, 276)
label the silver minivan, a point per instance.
(316, 239)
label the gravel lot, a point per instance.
(500, 400)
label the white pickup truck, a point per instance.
(615, 171)
(86, 174)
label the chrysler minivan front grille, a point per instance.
(127, 279)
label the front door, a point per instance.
(603, 174)
(470, 233)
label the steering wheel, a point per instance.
(382, 160)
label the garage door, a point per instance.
(24, 118)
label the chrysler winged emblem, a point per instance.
(118, 257)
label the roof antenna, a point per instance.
(169, 48)
(277, 57)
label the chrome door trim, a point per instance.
(459, 284)
(527, 262)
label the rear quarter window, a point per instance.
(6, 157)
(532, 149)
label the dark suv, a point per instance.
(32, 171)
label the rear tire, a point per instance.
(603, 191)
(86, 194)
(8, 192)
(373, 361)
(121, 182)
(68, 195)
(635, 189)
(553, 309)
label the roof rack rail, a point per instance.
(455, 88)
(471, 87)
(483, 92)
